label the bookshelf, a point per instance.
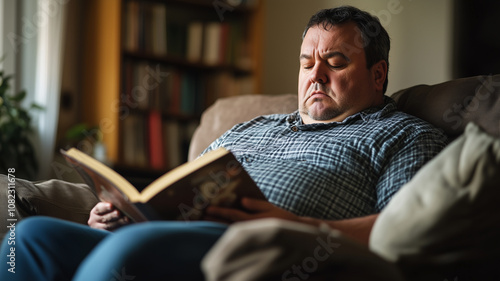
(152, 66)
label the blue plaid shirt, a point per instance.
(336, 170)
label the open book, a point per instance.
(216, 178)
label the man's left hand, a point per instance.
(253, 209)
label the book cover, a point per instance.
(216, 178)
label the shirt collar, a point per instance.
(372, 113)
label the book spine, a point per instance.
(212, 43)
(132, 23)
(194, 41)
(171, 130)
(156, 146)
(159, 28)
(134, 150)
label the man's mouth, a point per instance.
(317, 95)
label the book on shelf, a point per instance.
(176, 39)
(131, 42)
(174, 100)
(134, 141)
(154, 142)
(216, 178)
(194, 41)
(212, 43)
(158, 29)
(180, 92)
(156, 147)
(172, 135)
(188, 93)
(140, 91)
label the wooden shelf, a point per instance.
(114, 74)
(182, 63)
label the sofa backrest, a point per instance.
(449, 106)
(227, 112)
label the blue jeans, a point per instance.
(53, 249)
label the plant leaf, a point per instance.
(19, 97)
(76, 132)
(36, 106)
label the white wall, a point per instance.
(8, 52)
(420, 31)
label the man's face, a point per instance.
(334, 81)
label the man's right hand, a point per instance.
(105, 216)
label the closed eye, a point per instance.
(338, 66)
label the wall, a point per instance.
(421, 39)
(69, 113)
(8, 10)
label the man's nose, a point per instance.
(318, 74)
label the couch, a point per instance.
(417, 236)
(442, 225)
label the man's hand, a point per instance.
(254, 209)
(105, 216)
(356, 228)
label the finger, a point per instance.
(111, 225)
(118, 223)
(103, 208)
(113, 216)
(115, 224)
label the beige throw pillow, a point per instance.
(447, 218)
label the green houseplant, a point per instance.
(16, 148)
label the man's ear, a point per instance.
(379, 72)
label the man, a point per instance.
(338, 159)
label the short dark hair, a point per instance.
(375, 38)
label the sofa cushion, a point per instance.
(452, 104)
(447, 216)
(227, 112)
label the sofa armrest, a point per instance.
(54, 198)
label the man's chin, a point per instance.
(319, 112)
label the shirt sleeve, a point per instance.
(408, 158)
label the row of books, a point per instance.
(175, 91)
(158, 29)
(150, 141)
